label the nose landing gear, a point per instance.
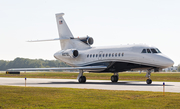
(148, 81)
(148, 74)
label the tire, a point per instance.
(148, 81)
(116, 78)
(82, 79)
(113, 78)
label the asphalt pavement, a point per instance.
(92, 84)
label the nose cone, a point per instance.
(164, 61)
(169, 62)
(56, 55)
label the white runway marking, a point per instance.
(92, 84)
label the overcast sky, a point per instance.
(109, 22)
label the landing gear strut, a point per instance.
(81, 78)
(148, 74)
(115, 77)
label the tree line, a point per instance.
(178, 68)
(30, 63)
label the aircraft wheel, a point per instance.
(82, 79)
(114, 78)
(148, 81)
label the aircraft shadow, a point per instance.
(106, 83)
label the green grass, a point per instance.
(175, 77)
(33, 97)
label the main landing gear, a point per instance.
(81, 78)
(148, 74)
(115, 77)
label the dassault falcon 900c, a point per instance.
(78, 53)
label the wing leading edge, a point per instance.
(58, 68)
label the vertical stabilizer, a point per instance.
(67, 40)
(64, 32)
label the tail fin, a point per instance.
(66, 38)
(64, 32)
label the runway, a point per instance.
(92, 84)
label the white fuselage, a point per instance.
(124, 54)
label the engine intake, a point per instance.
(71, 52)
(75, 53)
(87, 40)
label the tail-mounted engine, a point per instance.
(87, 40)
(71, 52)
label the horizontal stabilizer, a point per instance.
(46, 40)
(58, 68)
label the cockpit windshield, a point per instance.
(158, 51)
(151, 50)
(148, 50)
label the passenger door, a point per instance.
(100, 55)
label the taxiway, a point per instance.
(92, 84)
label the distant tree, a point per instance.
(178, 69)
(3, 64)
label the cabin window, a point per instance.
(109, 54)
(88, 55)
(122, 54)
(106, 55)
(143, 51)
(103, 55)
(96, 55)
(93, 55)
(119, 54)
(116, 55)
(113, 55)
(99, 55)
(148, 50)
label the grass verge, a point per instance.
(33, 97)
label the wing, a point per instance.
(59, 68)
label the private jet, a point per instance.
(80, 55)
